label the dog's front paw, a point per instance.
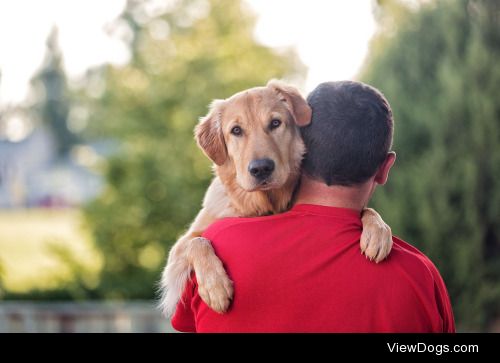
(216, 291)
(214, 286)
(376, 238)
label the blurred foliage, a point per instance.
(439, 66)
(181, 58)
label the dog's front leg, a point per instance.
(175, 275)
(376, 239)
(192, 252)
(214, 286)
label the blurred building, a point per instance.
(43, 160)
(32, 174)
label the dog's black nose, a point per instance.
(261, 168)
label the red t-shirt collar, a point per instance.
(323, 210)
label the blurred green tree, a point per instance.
(182, 57)
(438, 63)
(51, 99)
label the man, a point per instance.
(302, 271)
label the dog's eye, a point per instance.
(237, 131)
(274, 124)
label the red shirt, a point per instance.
(302, 271)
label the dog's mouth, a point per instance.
(264, 185)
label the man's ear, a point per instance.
(383, 171)
(292, 97)
(208, 134)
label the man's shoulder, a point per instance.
(230, 225)
(419, 267)
(412, 258)
(224, 224)
(409, 250)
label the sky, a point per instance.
(331, 37)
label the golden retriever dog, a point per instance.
(254, 141)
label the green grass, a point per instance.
(29, 240)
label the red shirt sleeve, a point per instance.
(443, 302)
(440, 291)
(183, 319)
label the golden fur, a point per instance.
(235, 192)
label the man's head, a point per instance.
(349, 138)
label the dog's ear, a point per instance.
(208, 134)
(292, 97)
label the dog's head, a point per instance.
(255, 133)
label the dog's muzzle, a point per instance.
(261, 169)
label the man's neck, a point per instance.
(316, 192)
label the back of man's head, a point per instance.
(350, 133)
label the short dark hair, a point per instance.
(350, 133)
